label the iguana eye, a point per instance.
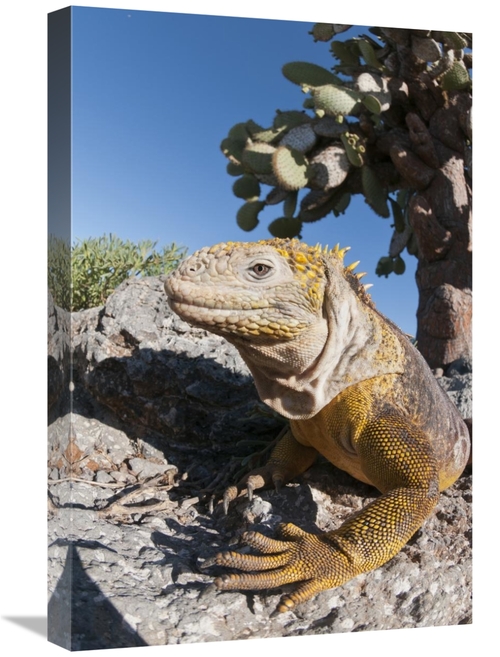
(260, 269)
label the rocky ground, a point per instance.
(161, 416)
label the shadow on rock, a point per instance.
(80, 617)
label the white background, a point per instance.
(23, 325)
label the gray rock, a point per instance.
(459, 389)
(160, 411)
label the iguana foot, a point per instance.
(314, 561)
(288, 459)
(265, 477)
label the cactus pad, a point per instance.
(372, 104)
(385, 266)
(335, 100)
(284, 227)
(302, 138)
(343, 53)
(375, 194)
(247, 187)
(425, 49)
(290, 168)
(456, 78)
(330, 167)
(399, 241)
(247, 216)
(232, 149)
(290, 119)
(368, 54)
(234, 169)
(328, 126)
(399, 265)
(290, 204)
(322, 31)
(310, 75)
(398, 214)
(374, 85)
(276, 195)
(258, 157)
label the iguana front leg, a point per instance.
(397, 459)
(288, 460)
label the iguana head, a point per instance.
(302, 321)
(258, 291)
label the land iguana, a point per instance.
(354, 389)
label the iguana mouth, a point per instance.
(216, 306)
(228, 302)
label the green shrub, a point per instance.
(99, 264)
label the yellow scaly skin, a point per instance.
(355, 390)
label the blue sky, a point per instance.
(153, 96)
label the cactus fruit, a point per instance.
(290, 168)
(285, 227)
(335, 100)
(375, 194)
(247, 216)
(247, 187)
(258, 157)
(330, 166)
(302, 138)
(310, 75)
(354, 148)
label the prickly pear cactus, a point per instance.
(290, 168)
(364, 128)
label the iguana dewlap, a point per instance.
(354, 389)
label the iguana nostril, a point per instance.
(195, 269)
